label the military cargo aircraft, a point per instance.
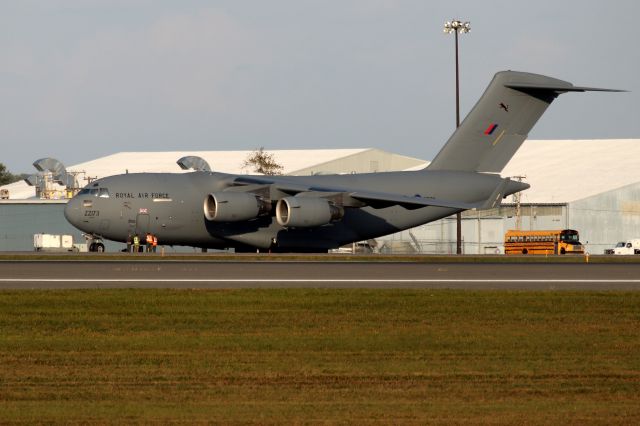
(215, 210)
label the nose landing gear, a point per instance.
(94, 243)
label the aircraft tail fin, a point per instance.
(500, 121)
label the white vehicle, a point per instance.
(628, 247)
(53, 242)
(612, 250)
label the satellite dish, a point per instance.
(57, 169)
(50, 164)
(193, 162)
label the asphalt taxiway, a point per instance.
(226, 275)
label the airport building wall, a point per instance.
(607, 218)
(20, 220)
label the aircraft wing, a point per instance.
(380, 199)
(377, 200)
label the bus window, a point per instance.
(569, 237)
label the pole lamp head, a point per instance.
(457, 26)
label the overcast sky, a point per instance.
(80, 79)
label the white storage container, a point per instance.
(53, 242)
(67, 242)
(43, 241)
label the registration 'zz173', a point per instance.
(92, 213)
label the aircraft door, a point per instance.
(142, 223)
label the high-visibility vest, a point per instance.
(149, 238)
(155, 241)
(136, 240)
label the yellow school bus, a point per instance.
(561, 241)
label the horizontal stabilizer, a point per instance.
(557, 88)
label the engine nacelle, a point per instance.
(303, 212)
(234, 206)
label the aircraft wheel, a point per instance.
(525, 251)
(562, 251)
(99, 248)
(92, 247)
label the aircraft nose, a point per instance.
(72, 211)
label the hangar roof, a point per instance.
(221, 161)
(562, 171)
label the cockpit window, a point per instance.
(95, 192)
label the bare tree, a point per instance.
(262, 162)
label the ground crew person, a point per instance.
(149, 242)
(129, 242)
(155, 243)
(136, 243)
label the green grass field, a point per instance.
(306, 356)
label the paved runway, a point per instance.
(198, 274)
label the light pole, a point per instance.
(455, 26)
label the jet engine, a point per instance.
(234, 206)
(306, 212)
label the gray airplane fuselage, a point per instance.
(171, 206)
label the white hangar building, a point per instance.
(592, 186)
